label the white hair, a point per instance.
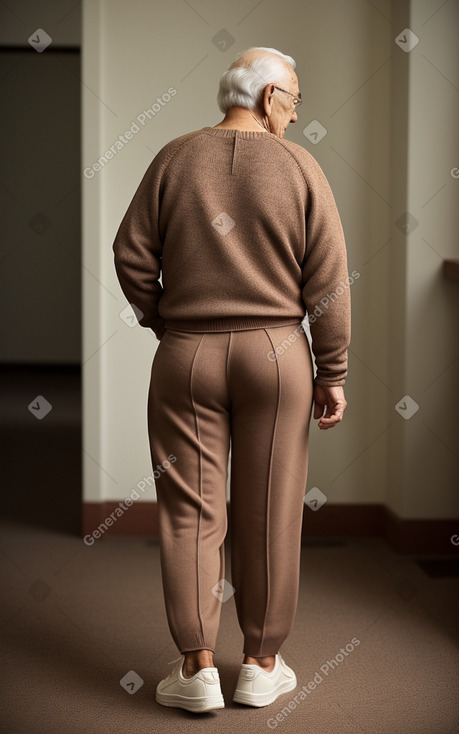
(243, 86)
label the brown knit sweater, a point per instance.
(243, 228)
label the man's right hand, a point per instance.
(329, 405)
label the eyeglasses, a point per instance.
(296, 100)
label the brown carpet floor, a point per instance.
(75, 620)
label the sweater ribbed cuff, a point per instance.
(339, 382)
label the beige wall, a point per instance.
(350, 71)
(423, 479)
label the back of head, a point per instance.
(243, 84)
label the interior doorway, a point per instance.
(40, 293)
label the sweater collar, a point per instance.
(222, 132)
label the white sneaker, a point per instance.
(256, 687)
(200, 693)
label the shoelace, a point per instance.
(177, 660)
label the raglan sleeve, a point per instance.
(137, 249)
(325, 280)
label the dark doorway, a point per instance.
(40, 291)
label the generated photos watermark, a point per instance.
(129, 501)
(306, 690)
(223, 590)
(321, 308)
(124, 138)
(314, 499)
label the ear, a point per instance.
(267, 99)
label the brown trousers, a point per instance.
(208, 389)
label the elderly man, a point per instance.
(244, 229)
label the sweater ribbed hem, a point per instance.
(230, 324)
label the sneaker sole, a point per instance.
(264, 699)
(197, 705)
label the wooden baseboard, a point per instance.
(420, 537)
(410, 537)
